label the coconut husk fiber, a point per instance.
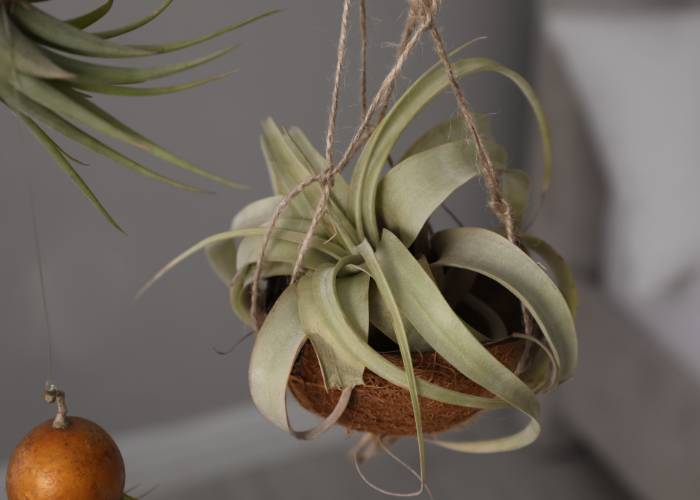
(383, 408)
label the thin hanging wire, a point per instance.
(42, 281)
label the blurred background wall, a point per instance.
(147, 370)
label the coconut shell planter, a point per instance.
(372, 319)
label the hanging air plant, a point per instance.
(373, 320)
(377, 276)
(43, 82)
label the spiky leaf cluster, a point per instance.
(374, 268)
(47, 77)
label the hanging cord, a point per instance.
(357, 141)
(42, 282)
(363, 59)
(497, 201)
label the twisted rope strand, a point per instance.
(497, 201)
(357, 141)
(363, 58)
(327, 179)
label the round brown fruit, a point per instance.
(80, 462)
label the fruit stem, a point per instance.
(53, 394)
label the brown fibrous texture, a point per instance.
(382, 408)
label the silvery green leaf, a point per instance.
(423, 304)
(197, 247)
(318, 164)
(563, 275)
(381, 319)
(276, 348)
(257, 213)
(222, 259)
(492, 255)
(421, 301)
(239, 294)
(339, 368)
(454, 130)
(497, 328)
(281, 238)
(388, 296)
(365, 181)
(281, 250)
(411, 191)
(290, 171)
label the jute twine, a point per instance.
(420, 19)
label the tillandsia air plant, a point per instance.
(47, 78)
(394, 329)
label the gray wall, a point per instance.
(127, 363)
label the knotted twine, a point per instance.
(420, 19)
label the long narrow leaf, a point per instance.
(339, 368)
(239, 295)
(341, 187)
(222, 259)
(102, 74)
(122, 30)
(280, 234)
(451, 130)
(492, 255)
(197, 247)
(387, 294)
(381, 319)
(421, 301)
(369, 167)
(64, 163)
(147, 91)
(557, 265)
(423, 304)
(83, 111)
(59, 34)
(90, 18)
(352, 342)
(54, 121)
(412, 190)
(277, 346)
(292, 171)
(256, 214)
(183, 44)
